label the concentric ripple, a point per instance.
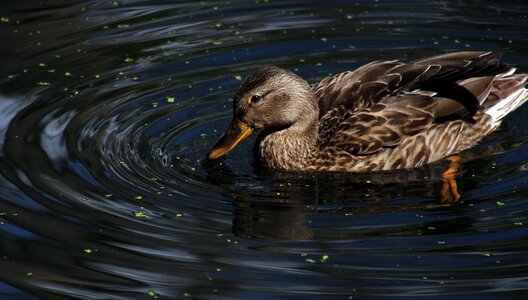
(107, 112)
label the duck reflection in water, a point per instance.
(284, 211)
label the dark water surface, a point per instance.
(107, 111)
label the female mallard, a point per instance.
(385, 115)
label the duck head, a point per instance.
(269, 97)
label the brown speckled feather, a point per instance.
(370, 83)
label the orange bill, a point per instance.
(237, 132)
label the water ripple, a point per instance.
(107, 111)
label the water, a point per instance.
(108, 109)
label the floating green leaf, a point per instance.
(141, 215)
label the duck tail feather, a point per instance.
(508, 94)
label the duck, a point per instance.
(383, 116)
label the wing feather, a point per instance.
(381, 103)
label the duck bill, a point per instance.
(236, 133)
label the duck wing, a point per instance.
(364, 87)
(402, 99)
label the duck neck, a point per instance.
(289, 147)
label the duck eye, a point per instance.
(256, 98)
